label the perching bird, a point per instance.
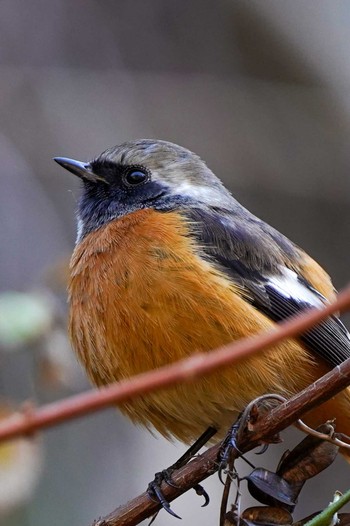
(167, 263)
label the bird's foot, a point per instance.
(230, 447)
(154, 488)
(155, 492)
(243, 425)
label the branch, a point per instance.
(206, 464)
(184, 370)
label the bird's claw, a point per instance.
(201, 492)
(155, 493)
(154, 490)
(263, 449)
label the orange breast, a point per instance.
(141, 297)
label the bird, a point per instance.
(167, 264)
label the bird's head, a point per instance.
(143, 174)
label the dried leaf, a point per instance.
(267, 515)
(20, 469)
(271, 489)
(311, 456)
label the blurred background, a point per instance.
(260, 90)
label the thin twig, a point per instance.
(332, 439)
(181, 371)
(206, 464)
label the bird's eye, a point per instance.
(135, 176)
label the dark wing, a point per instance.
(256, 257)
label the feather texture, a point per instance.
(144, 293)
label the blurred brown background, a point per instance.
(259, 89)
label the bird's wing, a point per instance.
(273, 274)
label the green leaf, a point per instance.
(23, 318)
(325, 518)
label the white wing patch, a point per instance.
(288, 285)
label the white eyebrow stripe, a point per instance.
(288, 285)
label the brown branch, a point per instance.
(206, 464)
(181, 371)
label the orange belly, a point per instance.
(142, 297)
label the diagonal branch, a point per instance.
(206, 464)
(182, 371)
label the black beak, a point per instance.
(82, 170)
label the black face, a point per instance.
(119, 190)
(142, 174)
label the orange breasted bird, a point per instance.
(167, 263)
